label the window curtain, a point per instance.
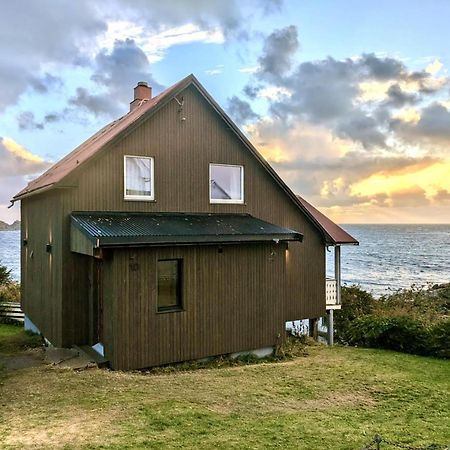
(138, 176)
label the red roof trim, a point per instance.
(335, 234)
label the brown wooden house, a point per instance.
(167, 237)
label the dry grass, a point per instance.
(333, 398)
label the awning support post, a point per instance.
(330, 327)
(337, 272)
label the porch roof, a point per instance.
(116, 229)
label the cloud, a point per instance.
(37, 44)
(18, 166)
(278, 52)
(114, 74)
(240, 110)
(26, 121)
(58, 37)
(356, 98)
(442, 196)
(17, 160)
(431, 127)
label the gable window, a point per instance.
(226, 183)
(138, 178)
(169, 284)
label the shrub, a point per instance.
(395, 333)
(412, 321)
(440, 339)
(10, 292)
(355, 303)
(5, 275)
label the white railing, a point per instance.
(330, 292)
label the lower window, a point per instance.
(169, 284)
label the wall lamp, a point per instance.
(48, 248)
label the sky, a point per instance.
(348, 100)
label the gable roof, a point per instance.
(117, 128)
(96, 142)
(335, 234)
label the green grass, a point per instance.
(333, 398)
(14, 339)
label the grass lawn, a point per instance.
(333, 398)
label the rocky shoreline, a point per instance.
(7, 227)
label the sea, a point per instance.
(389, 257)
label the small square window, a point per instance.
(226, 183)
(169, 285)
(138, 178)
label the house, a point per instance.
(167, 237)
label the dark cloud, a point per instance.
(328, 92)
(279, 49)
(432, 127)
(46, 83)
(98, 104)
(381, 69)
(26, 121)
(115, 73)
(399, 98)
(31, 37)
(362, 128)
(35, 35)
(240, 110)
(52, 117)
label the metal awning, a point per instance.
(119, 229)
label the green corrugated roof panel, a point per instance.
(129, 229)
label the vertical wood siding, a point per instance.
(182, 151)
(230, 303)
(41, 272)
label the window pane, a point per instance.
(138, 179)
(169, 288)
(226, 182)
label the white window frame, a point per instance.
(223, 200)
(141, 198)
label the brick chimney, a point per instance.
(141, 92)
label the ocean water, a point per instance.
(389, 257)
(10, 252)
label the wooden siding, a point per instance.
(41, 271)
(182, 151)
(227, 306)
(79, 243)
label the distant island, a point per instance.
(6, 227)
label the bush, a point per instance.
(411, 321)
(440, 339)
(10, 292)
(355, 303)
(395, 333)
(5, 275)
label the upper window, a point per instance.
(169, 285)
(138, 178)
(226, 183)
